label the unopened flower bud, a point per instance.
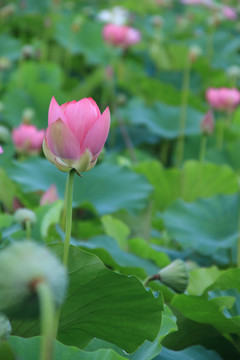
(23, 215)
(5, 327)
(22, 266)
(207, 123)
(194, 53)
(49, 196)
(27, 115)
(4, 134)
(175, 275)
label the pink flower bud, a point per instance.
(1, 150)
(76, 134)
(207, 123)
(49, 196)
(229, 13)
(119, 35)
(28, 139)
(223, 98)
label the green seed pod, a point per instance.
(22, 266)
(22, 215)
(175, 275)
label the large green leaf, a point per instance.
(29, 349)
(102, 304)
(193, 181)
(107, 187)
(148, 350)
(191, 353)
(162, 119)
(207, 225)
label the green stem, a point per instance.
(183, 113)
(220, 135)
(68, 224)
(28, 229)
(238, 250)
(47, 312)
(203, 148)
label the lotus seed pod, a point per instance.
(175, 275)
(22, 215)
(4, 134)
(22, 266)
(5, 327)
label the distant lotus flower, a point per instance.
(28, 139)
(116, 15)
(49, 196)
(223, 98)
(123, 36)
(1, 150)
(76, 134)
(207, 123)
(229, 13)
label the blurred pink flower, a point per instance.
(1, 150)
(207, 123)
(76, 134)
(223, 98)
(229, 13)
(119, 35)
(28, 139)
(49, 196)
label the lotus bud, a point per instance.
(175, 275)
(27, 115)
(194, 53)
(207, 123)
(1, 150)
(28, 139)
(5, 327)
(49, 196)
(4, 134)
(22, 266)
(76, 134)
(23, 215)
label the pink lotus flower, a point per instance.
(229, 13)
(49, 196)
(119, 35)
(1, 150)
(76, 134)
(28, 139)
(207, 123)
(223, 98)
